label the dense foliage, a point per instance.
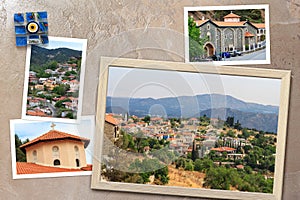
(20, 154)
(195, 42)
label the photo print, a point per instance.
(54, 80)
(51, 149)
(227, 35)
(183, 129)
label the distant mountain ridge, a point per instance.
(260, 121)
(251, 115)
(40, 55)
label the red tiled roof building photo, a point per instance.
(54, 151)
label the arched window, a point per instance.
(55, 155)
(208, 36)
(56, 162)
(34, 155)
(76, 149)
(208, 27)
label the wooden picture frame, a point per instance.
(236, 72)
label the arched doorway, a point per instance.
(209, 48)
(77, 163)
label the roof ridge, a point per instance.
(61, 135)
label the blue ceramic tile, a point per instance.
(30, 16)
(19, 18)
(45, 39)
(42, 15)
(20, 30)
(34, 37)
(43, 26)
(21, 41)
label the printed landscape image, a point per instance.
(54, 80)
(169, 128)
(227, 35)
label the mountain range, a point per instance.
(250, 115)
(40, 55)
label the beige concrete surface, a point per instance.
(147, 29)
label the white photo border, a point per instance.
(230, 7)
(90, 118)
(81, 84)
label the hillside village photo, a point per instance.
(169, 128)
(236, 34)
(55, 79)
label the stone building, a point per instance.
(231, 34)
(111, 128)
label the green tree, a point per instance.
(20, 155)
(195, 43)
(238, 125)
(230, 133)
(61, 89)
(70, 115)
(218, 178)
(204, 120)
(51, 65)
(147, 119)
(59, 103)
(203, 165)
(229, 121)
(189, 165)
(181, 162)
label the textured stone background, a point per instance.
(148, 29)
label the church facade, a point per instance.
(231, 34)
(57, 149)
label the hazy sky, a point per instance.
(33, 129)
(141, 83)
(55, 43)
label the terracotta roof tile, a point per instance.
(87, 168)
(56, 135)
(32, 168)
(36, 113)
(240, 166)
(259, 25)
(200, 22)
(220, 23)
(248, 34)
(111, 120)
(221, 149)
(232, 15)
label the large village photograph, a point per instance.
(227, 34)
(51, 149)
(54, 79)
(190, 130)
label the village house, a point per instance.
(220, 150)
(231, 34)
(111, 128)
(56, 149)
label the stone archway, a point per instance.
(210, 49)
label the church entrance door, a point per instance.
(209, 48)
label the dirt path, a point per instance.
(182, 178)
